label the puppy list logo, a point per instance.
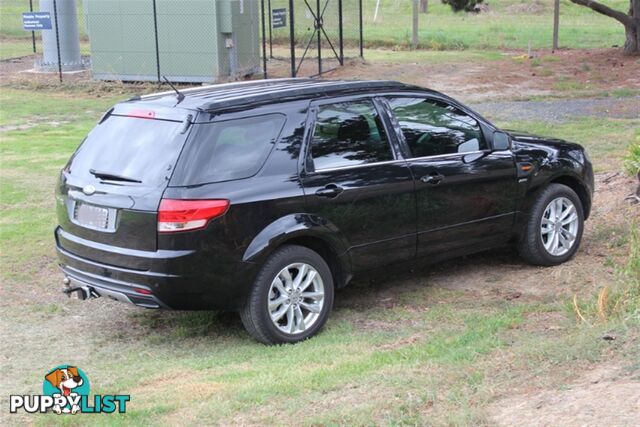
(65, 390)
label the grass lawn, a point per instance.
(509, 24)
(409, 349)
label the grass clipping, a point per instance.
(620, 301)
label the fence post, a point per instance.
(155, 32)
(55, 17)
(292, 38)
(360, 18)
(270, 30)
(33, 33)
(556, 24)
(414, 38)
(340, 31)
(318, 26)
(264, 42)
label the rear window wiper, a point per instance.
(107, 176)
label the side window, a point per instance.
(432, 127)
(227, 150)
(347, 134)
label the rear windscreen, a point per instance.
(137, 149)
(227, 150)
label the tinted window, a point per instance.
(141, 149)
(348, 133)
(227, 150)
(432, 127)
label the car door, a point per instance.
(355, 180)
(466, 193)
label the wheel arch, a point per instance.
(309, 231)
(570, 181)
(580, 189)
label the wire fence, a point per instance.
(183, 41)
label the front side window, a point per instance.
(432, 128)
(349, 134)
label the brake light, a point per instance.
(183, 215)
(142, 291)
(142, 114)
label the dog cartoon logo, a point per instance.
(68, 382)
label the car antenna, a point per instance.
(180, 94)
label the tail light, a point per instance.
(183, 215)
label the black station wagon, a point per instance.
(265, 196)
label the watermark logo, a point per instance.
(65, 390)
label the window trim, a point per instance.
(305, 153)
(400, 135)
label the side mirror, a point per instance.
(501, 141)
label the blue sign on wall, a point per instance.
(34, 21)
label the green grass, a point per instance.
(435, 357)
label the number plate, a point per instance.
(91, 216)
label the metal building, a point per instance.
(186, 41)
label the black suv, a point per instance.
(265, 196)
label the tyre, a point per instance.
(291, 297)
(553, 230)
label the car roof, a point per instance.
(258, 92)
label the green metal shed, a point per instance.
(197, 40)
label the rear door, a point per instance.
(110, 190)
(354, 179)
(466, 193)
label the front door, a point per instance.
(466, 193)
(355, 181)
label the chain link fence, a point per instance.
(190, 41)
(219, 40)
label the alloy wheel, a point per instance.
(296, 298)
(559, 226)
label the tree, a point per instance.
(424, 6)
(631, 21)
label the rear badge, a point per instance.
(89, 190)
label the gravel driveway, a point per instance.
(560, 110)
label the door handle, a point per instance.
(433, 178)
(330, 191)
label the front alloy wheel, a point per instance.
(552, 232)
(559, 226)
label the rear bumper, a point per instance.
(93, 286)
(183, 280)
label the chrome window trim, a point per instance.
(386, 162)
(442, 156)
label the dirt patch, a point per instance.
(516, 76)
(605, 395)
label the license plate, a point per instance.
(91, 216)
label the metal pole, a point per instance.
(361, 34)
(155, 31)
(414, 39)
(264, 41)
(33, 33)
(270, 31)
(292, 39)
(556, 24)
(318, 28)
(341, 34)
(55, 17)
